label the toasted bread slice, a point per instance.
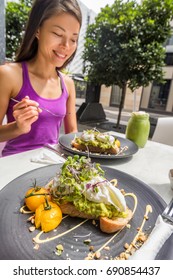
(112, 225)
(93, 149)
(106, 225)
(69, 208)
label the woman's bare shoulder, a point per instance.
(67, 78)
(68, 81)
(10, 70)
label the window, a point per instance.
(159, 96)
(115, 96)
(169, 59)
(170, 41)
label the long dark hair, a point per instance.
(41, 11)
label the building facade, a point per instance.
(159, 97)
(88, 16)
(156, 98)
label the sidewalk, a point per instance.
(110, 122)
(111, 119)
(111, 112)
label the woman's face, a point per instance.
(57, 38)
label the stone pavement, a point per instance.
(112, 112)
(111, 119)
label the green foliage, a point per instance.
(125, 44)
(27, 3)
(16, 18)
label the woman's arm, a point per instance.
(70, 121)
(24, 112)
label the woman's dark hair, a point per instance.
(41, 11)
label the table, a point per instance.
(150, 164)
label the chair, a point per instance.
(164, 131)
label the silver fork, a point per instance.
(168, 212)
(49, 147)
(42, 108)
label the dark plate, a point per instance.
(16, 240)
(65, 142)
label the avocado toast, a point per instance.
(92, 140)
(81, 190)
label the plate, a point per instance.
(65, 142)
(16, 239)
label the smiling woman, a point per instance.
(64, 34)
(49, 44)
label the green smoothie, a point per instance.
(138, 128)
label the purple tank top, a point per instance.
(46, 128)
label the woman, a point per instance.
(33, 82)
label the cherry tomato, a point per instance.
(48, 216)
(117, 142)
(36, 196)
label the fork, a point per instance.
(42, 108)
(168, 212)
(51, 148)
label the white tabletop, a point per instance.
(150, 164)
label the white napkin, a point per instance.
(47, 157)
(160, 233)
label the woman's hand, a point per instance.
(25, 113)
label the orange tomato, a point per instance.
(48, 216)
(117, 142)
(36, 196)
